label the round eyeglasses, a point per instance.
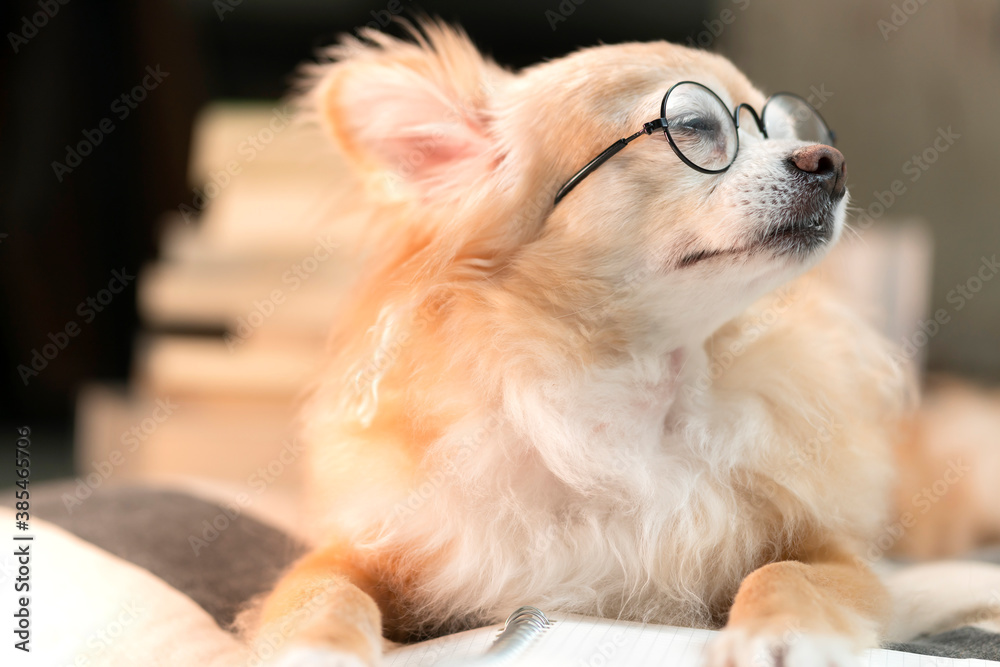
(705, 135)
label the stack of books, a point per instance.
(235, 311)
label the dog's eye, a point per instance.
(695, 124)
(700, 127)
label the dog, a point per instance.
(590, 365)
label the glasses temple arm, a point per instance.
(605, 155)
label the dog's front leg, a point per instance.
(318, 615)
(818, 611)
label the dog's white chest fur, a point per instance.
(600, 499)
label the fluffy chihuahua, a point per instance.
(587, 367)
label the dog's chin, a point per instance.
(798, 240)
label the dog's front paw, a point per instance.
(302, 655)
(739, 648)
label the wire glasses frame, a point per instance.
(826, 135)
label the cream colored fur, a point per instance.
(538, 405)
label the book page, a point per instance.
(591, 642)
(580, 641)
(469, 644)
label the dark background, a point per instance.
(60, 241)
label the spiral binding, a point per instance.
(520, 629)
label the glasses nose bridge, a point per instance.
(753, 112)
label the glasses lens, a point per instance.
(791, 117)
(700, 126)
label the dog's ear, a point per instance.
(411, 114)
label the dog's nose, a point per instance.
(823, 164)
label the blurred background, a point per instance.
(147, 290)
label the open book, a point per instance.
(530, 638)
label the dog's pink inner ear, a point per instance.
(397, 123)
